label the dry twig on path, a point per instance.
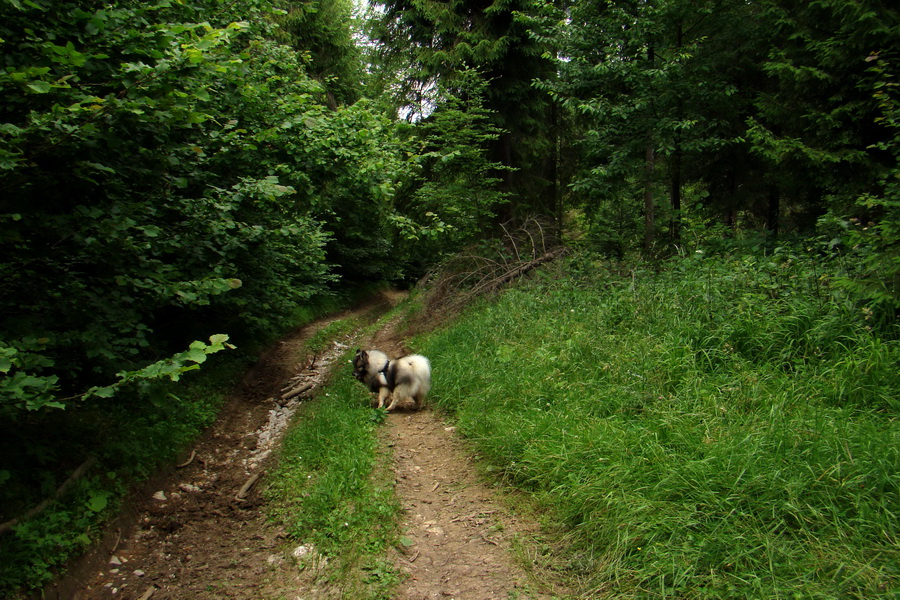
(245, 489)
(188, 461)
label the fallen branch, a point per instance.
(500, 281)
(245, 489)
(291, 382)
(148, 594)
(75, 476)
(297, 390)
(189, 461)
(118, 539)
(481, 272)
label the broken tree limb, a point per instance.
(245, 489)
(522, 269)
(189, 461)
(148, 594)
(296, 391)
(75, 476)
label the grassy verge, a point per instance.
(333, 490)
(725, 428)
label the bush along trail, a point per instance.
(347, 502)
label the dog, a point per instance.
(401, 379)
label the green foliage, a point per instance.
(763, 105)
(816, 115)
(454, 196)
(40, 546)
(326, 30)
(721, 428)
(167, 164)
(168, 171)
(22, 390)
(130, 440)
(422, 50)
(873, 235)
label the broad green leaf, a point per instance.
(97, 502)
(39, 87)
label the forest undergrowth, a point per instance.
(718, 426)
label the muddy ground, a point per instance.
(199, 531)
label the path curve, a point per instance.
(189, 537)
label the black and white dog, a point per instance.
(404, 378)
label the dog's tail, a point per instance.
(415, 367)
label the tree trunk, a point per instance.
(676, 193)
(773, 211)
(649, 216)
(507, 210)
(554, 168)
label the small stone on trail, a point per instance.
(303, 551)
(160, 495)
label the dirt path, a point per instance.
(190, 534)
(457, 536)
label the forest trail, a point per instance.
(190, 535)
(457, 534)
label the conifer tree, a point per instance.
(421, 43)
(324, 29)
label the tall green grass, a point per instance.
(723, 428)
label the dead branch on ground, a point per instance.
(245, 489)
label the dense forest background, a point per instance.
(174, 171)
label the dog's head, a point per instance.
(360, 364)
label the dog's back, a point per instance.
(409, 377)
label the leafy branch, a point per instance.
(21, 389)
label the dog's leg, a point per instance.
(383, 394)
(395, 399)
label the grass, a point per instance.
(333, 488)
(724, 428)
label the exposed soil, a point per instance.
(457, 535)
(199, 531)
